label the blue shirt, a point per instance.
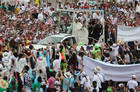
(41, 55)
(36, 79)
(30, 72)
(70, 82)
(48, 61)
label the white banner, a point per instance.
(128, 33)
(112, 71)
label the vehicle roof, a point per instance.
(61, 35)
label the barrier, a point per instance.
(128, 33)
(112, 71)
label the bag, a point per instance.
(27, 80)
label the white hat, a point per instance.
(114, 45)
(133, 76)
(5, 54)
(83, 73)
(67, 75)
(80, 13)
(97, 69)
(121, 85)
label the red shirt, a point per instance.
(65, 19)
(2, 42)
(86, 7)
(105, 5)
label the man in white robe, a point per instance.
(83, 35)
(80, 32)
(77, 26)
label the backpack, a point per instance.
(27, 80)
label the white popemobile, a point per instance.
(58, 38)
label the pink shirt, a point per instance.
(114, 20)
(51, 81)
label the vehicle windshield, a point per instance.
(50, 40)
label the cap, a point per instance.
(97, 46)
(81, 43)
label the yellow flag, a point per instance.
(17, 11)
(28, 42)
(122, 40)
(37, 2)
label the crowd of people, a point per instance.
(57, 71)
(60, 69)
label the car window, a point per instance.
(50, 40)
(57, 39)
(69, 41)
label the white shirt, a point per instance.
(127, 57)
(95, 16)
(20, 64)
(114, 20)
(22, 9)
(99, 79)
(130, 1)
(114, 51)
(86, 81)
(138, 8)
(40, 16)
(92, 88)
(132, 84)
(12, 57)
(34, 52)
(6, 59)
(46, 9)
(56, 65)
(61, 6)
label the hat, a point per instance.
(81, 43)
(121, 85)
(134, 76)
(50, 70)
(74, 52)
(3, 84)
(114, 45)
(80, 13)
(67, 75)
(97, 69)
(5, 54)
(96, 46)
(83, 73)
